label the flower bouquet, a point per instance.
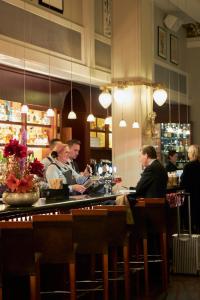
(22, 174)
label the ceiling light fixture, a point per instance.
(121, 88)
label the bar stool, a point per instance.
(17, 253)
(118, 236)
(90, 236)
(150, 218)
(53, 241)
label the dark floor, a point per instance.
(181, 287)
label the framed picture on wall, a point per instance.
(56, 5)
(162, 42)
(174, 55)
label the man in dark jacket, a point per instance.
(153, 181)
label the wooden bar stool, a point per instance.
(17, 253)
(118, 236)
(53, 241)
(90, 236)
(150, 218)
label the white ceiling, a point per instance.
(188, 10)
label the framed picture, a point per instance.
(174, 49)
(56, 5)
(162, 43)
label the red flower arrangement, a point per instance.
(22, 171)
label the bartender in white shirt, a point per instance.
(49, 159)
(74, 147)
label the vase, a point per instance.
(20, 199)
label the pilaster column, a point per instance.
(132, 58)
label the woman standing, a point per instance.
(190, 181)
(60, 170)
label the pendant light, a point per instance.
(170, 129)
(122, 122)
(105, 98)
(160, 96)
(50, 111)
(71, 114)
(136, 124)
(90, 117)
(24, 108)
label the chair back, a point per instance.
(17, 251)
(53, 238)
(116, 224)
(90, 230)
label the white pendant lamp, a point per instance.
(105, 99)
(108, 121)
(50, 113)
(135, 125)
(122, 123)
(24, 109)
(91, 118)
(160, 96)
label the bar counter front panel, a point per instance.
(47, 206)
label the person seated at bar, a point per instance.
(74, 147)
(58, 169)
(153, 181)
(171, 164)
(49, 159)
(190, 181)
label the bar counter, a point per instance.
(51, 206)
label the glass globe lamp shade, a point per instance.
(72, 115)
(160, 96)
(105, 99)
(90, 118)
(50, 112)
(24, 109)
(122, 123)
(108, 121)
(135, 125)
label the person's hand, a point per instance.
(78, 188)
(88, 171)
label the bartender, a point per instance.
(171, 164)
(60, 170)
(74, 147)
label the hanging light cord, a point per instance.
(24, 59)
(49, 61)
(169, 98)
(179, 108)
(49, 83)
(90, 93)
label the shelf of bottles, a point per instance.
(37, 124)
(175, 136)
(100, 134)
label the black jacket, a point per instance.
(170, 167)
(153, 181)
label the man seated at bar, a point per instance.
(60, 170)
(49, 159)
(172, 158)
(74, 147)
(153, 181)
